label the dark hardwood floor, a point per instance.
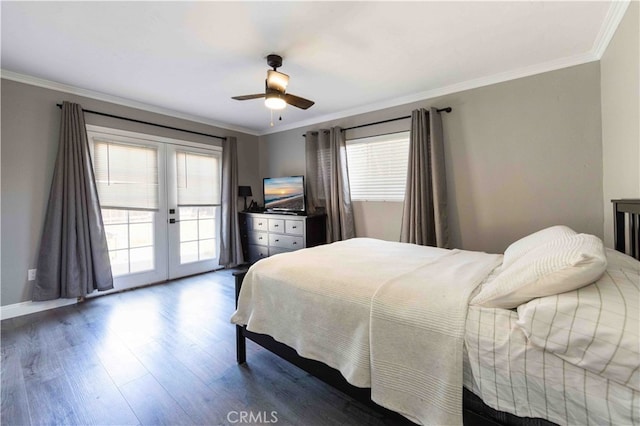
(163, 354)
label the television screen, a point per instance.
(284, 194)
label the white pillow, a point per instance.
(596, 327)
(524, 245)
(561, 265)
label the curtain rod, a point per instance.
(447, 110)
(149, 123)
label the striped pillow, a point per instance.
(596, 327)
(563, 264)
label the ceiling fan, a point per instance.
(275, 89)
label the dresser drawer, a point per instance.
(276, 225)
(266, 234)
(278, 250)
(285, 241)
(259, 238)
(260, 224)
(295, 227)
(257, 252)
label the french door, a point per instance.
(160, 202)
(194, 210)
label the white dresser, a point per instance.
(266, 234)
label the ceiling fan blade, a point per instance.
(247, 97)
(298, 102)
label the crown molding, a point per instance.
(614, 16)
(47, 84)
(447, 90)
(612, 20)
(616, 12)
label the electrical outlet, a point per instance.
(31, 274)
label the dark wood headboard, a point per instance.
(626, 225)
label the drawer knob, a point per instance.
(276, 225)
(295, 242)
(294, 227)
(277, 241)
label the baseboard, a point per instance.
(30, 307)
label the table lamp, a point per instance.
(244, 191)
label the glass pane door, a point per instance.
(130, 175)
(194, 210)
(198, 234)
(130, 239)
(160, 202)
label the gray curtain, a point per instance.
(73, 260)
(328, 181)
(424, 216)
(230, 246)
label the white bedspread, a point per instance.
(417, 337)
(319, 302)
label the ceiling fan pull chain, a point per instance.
(271, 111)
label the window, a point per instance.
(197, 234)
(127, 183)
(198, 178)
(130, 240)
(378, 167)
(126, 175)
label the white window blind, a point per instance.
(198, 179)
(126, 175)
(378, 167)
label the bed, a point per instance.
(425, 331)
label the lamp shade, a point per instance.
(244, 191)
(277, 80)
(274, 100)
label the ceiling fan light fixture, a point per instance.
(275, 101)
(276, 96)
(277, 80)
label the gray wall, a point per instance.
(620, 74)
(520, 156)
(30, 125)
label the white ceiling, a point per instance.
(188, 58)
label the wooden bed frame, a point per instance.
(475, 411)
(626, 225)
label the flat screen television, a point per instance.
(284, 194)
